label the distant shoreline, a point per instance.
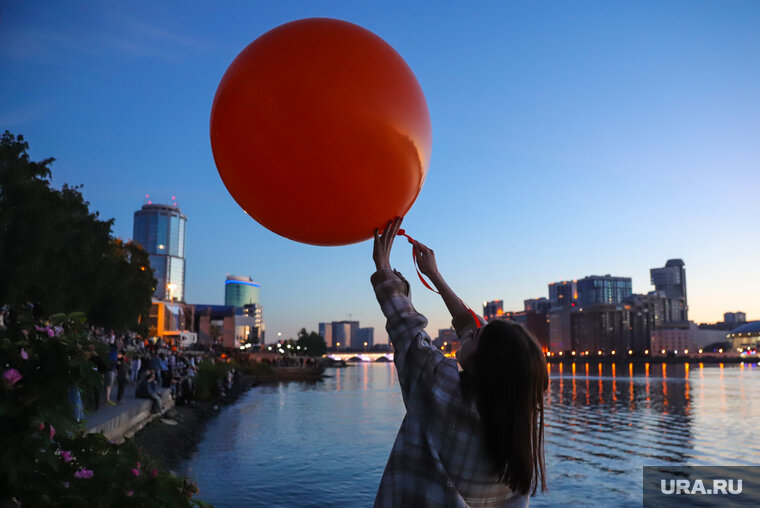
(638, 360)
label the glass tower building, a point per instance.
(241, 291)
(603, 289)
(160, 230)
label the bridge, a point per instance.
(362, 357)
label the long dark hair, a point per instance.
(507, 377)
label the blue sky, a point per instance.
(569, 139)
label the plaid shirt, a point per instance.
(439, 457)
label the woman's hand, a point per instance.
(425, 258)
(381, 252)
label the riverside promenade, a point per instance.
(125, 419)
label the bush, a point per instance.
(46, 456)
(209, 380)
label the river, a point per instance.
(326, 443)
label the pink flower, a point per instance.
(153, 473)
(67, 456)
(129, 494)
(49, 331)
(24, 354)
(52, 431)
(42, 426)
(136, 472)
(83, 474)
(12, 376)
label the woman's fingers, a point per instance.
(387, 228)
(396, 225)
(422, 247)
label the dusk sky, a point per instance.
(569, 139)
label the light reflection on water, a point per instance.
(326, 443)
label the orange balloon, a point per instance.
(321, 132)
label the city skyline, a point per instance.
(562, 147)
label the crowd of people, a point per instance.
(146, 366)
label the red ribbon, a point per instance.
(402, 232)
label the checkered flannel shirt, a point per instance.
(439, 457)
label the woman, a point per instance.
(473, 438)
(122, 374)
(148, 389)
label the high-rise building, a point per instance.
(541, 305)
(734, 318)
(365, 338)
(567, 331)
(493, 309)
(160, 230)
(563, 293)
(344, 334)
(671, 280)
(241, 291)
(249, 323)
(603, 289)
(325, 330)
(563, 297)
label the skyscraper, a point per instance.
(603, 289)
(241, 291)
(160, 230)
(671, 280)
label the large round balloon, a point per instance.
(321, 132)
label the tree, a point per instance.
(313, 343)
(59, 256)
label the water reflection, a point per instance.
(603, 427)
(326, 443)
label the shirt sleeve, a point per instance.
(417, 360)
